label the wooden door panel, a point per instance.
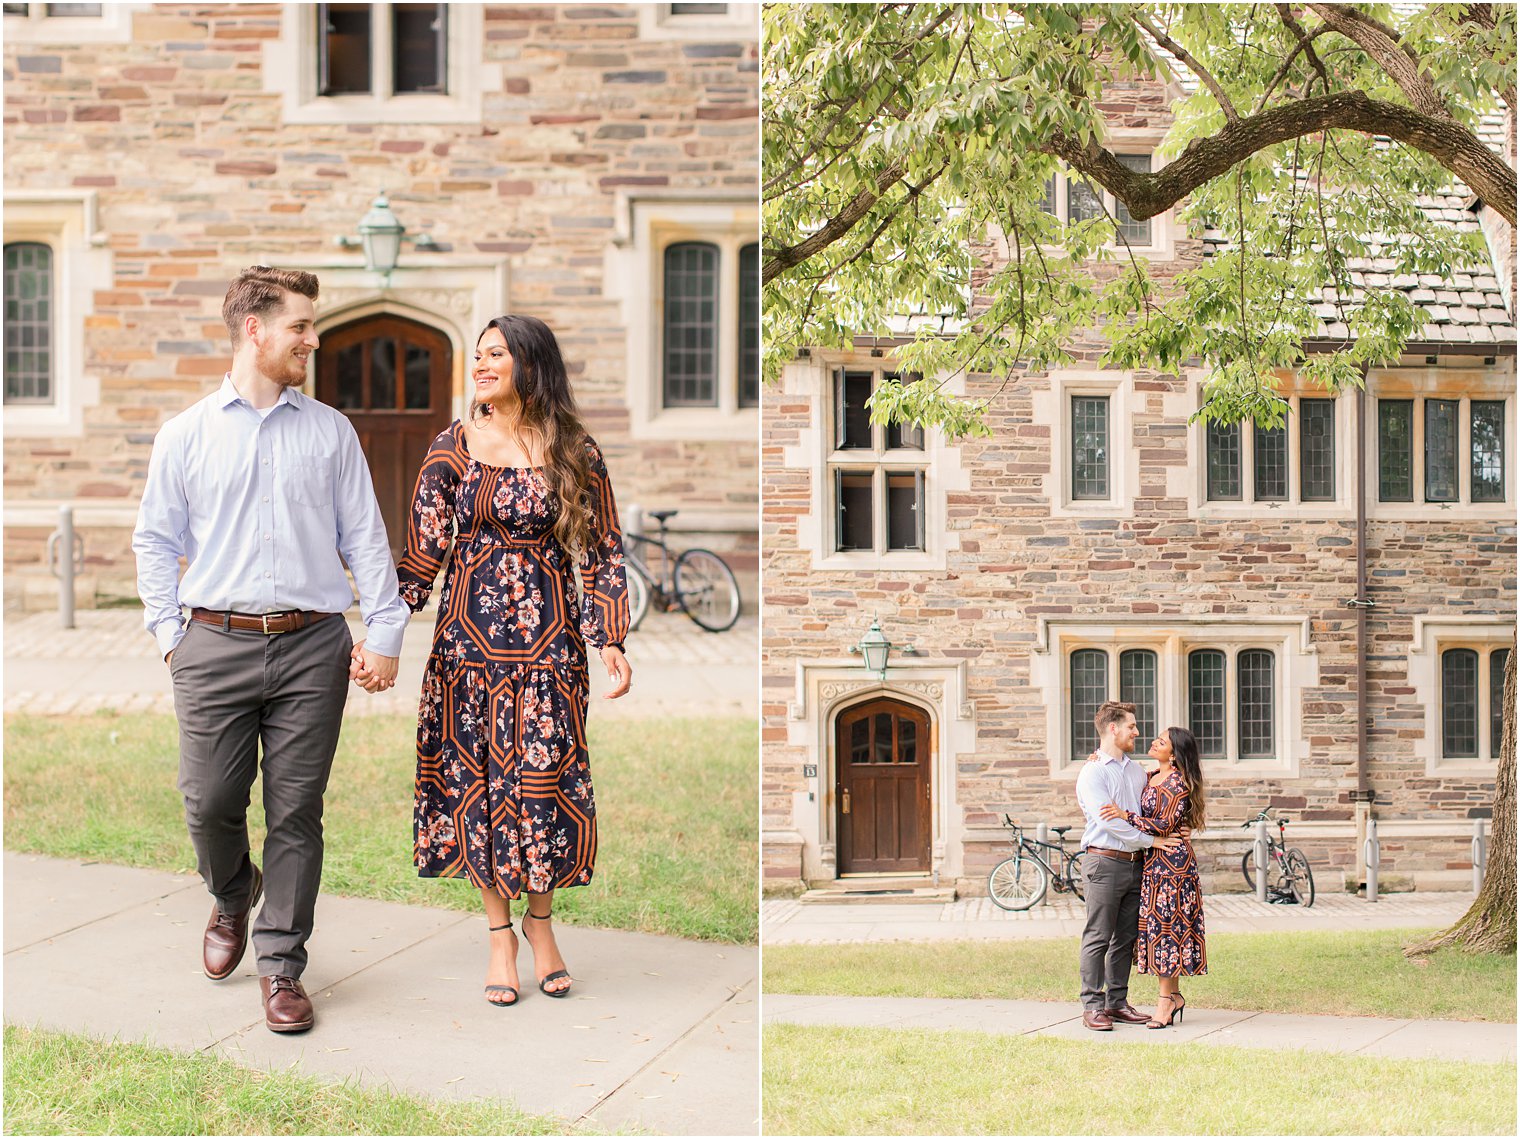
(882, 770)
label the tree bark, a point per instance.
(1489, 924)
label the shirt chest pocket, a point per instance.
(308, 481)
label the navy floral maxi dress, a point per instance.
(503, 793)
(1171, 941)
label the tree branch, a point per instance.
(1193, 65)
(1305, 44)
(1390, 53)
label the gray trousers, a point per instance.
(233, 690)
(1112, 890)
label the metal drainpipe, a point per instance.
(1362, 797)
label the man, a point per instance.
(261, 489)
(1113, 858)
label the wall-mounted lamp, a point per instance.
(875, 650)
(381, 234)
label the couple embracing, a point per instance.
(266, 495)
(1142, 891)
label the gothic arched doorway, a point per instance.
(881, 763)
(393, 378)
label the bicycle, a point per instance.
(1021, 881)
(1295, 881)
(695, 582)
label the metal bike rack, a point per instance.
(1042, 834)
(64, 568)
(1372, 854)
(1479, 855)
(633, 519)
(1259, 852)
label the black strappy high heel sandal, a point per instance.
(1174, 1013)
(501, 988)
(554, 976)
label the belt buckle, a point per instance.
(264, 620)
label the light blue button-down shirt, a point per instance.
(1106, 779)
(261, 507)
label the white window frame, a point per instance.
(1053, 407)
(1463, 384)
(67, 222)
(647, 226)
(658, 22)
(113, 25)
(1295, 669)
(290, 70)
(1343, 505)
(878, 461)
(1432, 639)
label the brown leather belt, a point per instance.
(266, 623)
(1121, 855)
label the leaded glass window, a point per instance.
(1255, 697)
(1395, 450)
(1497, 661)
(691, 324)
(1271, 463)
(1459, 704)
(749, 326)
(1222, 446)
(1136, 233)
(1083, 201)
(1089, 689)
(1137, 686)
(1316, 450)
(1440, 450)
(1089, 450)
(28, 323)
(1206, 701)
(1488, 450)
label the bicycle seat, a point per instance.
(661, 515)
(1060, 831)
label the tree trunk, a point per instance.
(1489, 924)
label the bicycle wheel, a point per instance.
(1298, 877)
(1017, 883)
(1248, 869)
(707, 590)
(1074, 868)
(638, 595)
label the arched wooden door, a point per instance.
(881, 761)
(392, 377)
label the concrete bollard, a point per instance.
(1042, 834)
(633, 519)
(65, 557)
(1372, 856)
(1260, 852)
(1479, 855)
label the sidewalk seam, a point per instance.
(102, 917)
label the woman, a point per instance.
(503, 792)
(1171, 942)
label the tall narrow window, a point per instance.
(1395, 450)
(877, 507)
(346, 49)
(1257, 737)
(691, 324)
(1137, 233)
(1440, 450)
(421, 36)
(1497, 660)
(1222, 445)
(1487, 450)
(28, 323)
(1316, 450)
(1271, 463)
(851, 415)
(1459, 704)
(749, 326)
(1089, 688)
(1089, 450)
(856, 511)
(1206, 701)
(1083, 201)
(1137, 686)
(905, 496)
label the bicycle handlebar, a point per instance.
(1263, 815)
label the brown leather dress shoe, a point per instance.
(287, 1008)
(1098, 1020)
(1126, 1014)
(227, 935)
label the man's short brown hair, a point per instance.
(259, 291)
(1111, 712)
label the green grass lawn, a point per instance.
(864, 1081)
(61, 1084)
(675, 807)
(1354, 973)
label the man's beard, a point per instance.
(284, 370)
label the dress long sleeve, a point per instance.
(430, 527)
(1170, 805)
(604, 606)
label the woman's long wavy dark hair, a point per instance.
(546, 409)
(1185, 759)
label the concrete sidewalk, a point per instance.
(109, 661)
(660, 1033)
(786, 922)
(1478, 1041)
